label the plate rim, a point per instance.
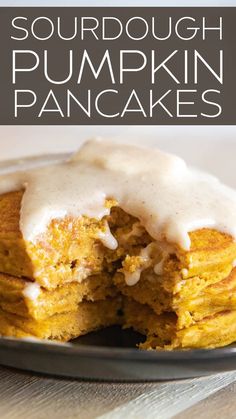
(111, 353)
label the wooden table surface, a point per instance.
(24, 395)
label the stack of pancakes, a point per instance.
(68, 283)
(55, 288)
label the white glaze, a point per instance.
(32, 291)
(168, 198)
(159, 267)
(131, 278)
(107, 239)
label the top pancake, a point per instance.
(70, 250)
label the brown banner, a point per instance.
(145, 66)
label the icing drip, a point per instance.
(107, 239)
(32, 291)
(158, 268)
(131, 278)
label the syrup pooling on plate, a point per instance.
(169, 198)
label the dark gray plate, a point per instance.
(111, 355)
